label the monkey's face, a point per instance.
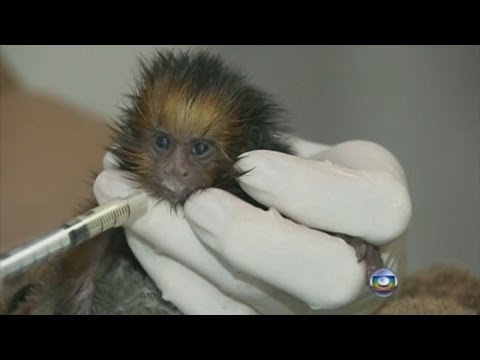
(189, 120)
(176, 145)
(181, 165)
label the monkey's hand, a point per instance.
(222, 255)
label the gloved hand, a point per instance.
(221, 255)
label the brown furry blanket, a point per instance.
(440, 290)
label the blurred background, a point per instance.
(420, 102)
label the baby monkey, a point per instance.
(188, 120)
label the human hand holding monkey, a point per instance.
(224, 256)
(210, 150)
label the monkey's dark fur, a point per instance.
(182, 101)
(245, 119)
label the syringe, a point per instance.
(73, 233)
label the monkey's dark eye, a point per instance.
(162, 142)
(201, 149)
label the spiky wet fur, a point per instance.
(196, 94)
(187, 93)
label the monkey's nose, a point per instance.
(176, 172)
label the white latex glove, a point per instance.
(221, 255)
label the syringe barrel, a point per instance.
(73, 233)
(24, 257)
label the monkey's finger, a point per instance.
(189, 292)
(372, 205)
(111, 184)
(291, 257)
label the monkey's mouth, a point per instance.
(172, 191)
(175, 193)
(175, 198)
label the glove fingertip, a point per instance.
(111, 184)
